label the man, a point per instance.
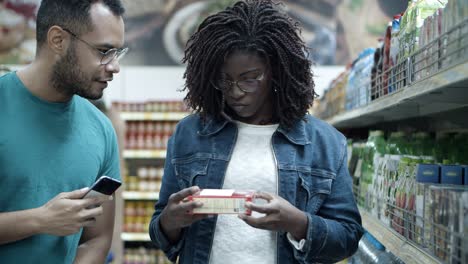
(53, 142)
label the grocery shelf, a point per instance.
(444, 91)
(153, 116)
(432, 80)
(135, 237)
(128, 195)
(399, 246)
(144, 154)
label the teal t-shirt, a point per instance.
(45, 149)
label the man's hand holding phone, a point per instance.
(68, 212)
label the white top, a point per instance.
(252, 167)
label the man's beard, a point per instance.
(68, 79)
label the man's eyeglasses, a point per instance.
(107, 56)
(247, 86)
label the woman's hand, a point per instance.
(280, 215)
(176, 215)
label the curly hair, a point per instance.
(251, 26)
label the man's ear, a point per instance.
(58, 40)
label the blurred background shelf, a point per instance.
(136, 237)
(153, 116)
(128, 195)
(144, 154)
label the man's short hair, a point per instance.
(71, 14)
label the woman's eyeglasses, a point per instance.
(247, 85)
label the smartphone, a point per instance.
(104, 186)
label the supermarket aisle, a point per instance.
(401, 103)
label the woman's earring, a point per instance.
(275, 90)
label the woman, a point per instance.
(249, 80)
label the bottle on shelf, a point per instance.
(386, 59)
(376, 72)
(371, 251)
(393, 53)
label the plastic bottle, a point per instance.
(371, 251)
(375, 72)
(386, 58)
(394, 49)
(358, 80)
(350, 91)
(380, 72)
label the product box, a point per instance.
(451, 174)
(446, 222)
(427, 173)
(219, 201)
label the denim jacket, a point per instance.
(312, 175)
